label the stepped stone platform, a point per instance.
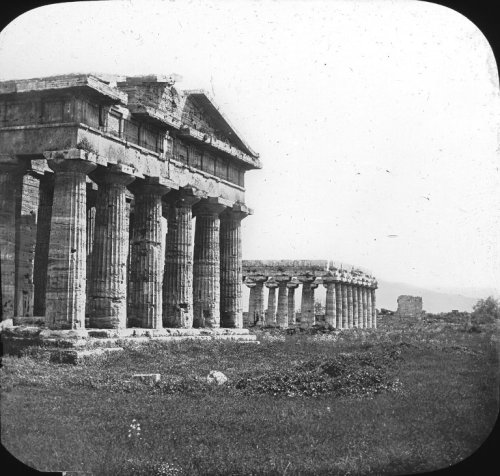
(76, 346)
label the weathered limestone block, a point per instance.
(231, 272)
(282, 312)
(178, 277)
(409, 307)
(329, 283)
(66, 270)
(146, 255)
(307, 315)
(256, 300)
(271, 284)
(291, 286)
(26, 229)
(206, 269)
(46, 194)
(338, 304)
(11, 176)
(108, 283)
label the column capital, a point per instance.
(11, 163)
(306, 278)
(252, 281)
(293, 283)
(282, 279)
(70, 154)
(238, 211)
(73, 165)
(271, 283)
(119, 174)
(211, 206)
(156, 185)
(184, 197)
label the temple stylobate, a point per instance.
(121, 202)
(350, 293)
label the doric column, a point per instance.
(91, 211)
(369, 307)
(11, 176)
(271, 284)
(338, 304)
(330, 305)
(146, 254)
(350, 313)
(26, 229)
(365, 305)
(307, 316)
(345, 324)
(66, 270)
(359, 297)
(291, 286)
(355, 320)
(374, 304)
(178, 276)
(282, 313)
(108, 281)
(46, 193)
(256, 300)
(231, 272)
(206, 269)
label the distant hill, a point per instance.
(433, 301)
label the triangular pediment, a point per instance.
(200, 112)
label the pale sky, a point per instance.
(377, 122)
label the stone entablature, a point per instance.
(83, 208)
(125, 121)
(350, 297)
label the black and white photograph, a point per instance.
(249, 238)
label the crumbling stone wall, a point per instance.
(409, 307)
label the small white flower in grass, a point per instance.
(328, 409)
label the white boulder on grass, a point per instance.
(216, 377)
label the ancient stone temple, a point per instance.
(91, 169)
(350, 293)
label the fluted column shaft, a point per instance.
(374, 308)
(307, 316)
(146, 257)
(46, 193)
(231, 271)
(282, 312)
(355, 304)
(350, 310)
(330, 305)
(369, 307)
(108, 282)
(365, 308)
(178, 277)
(338, 304)
(256, 303)
(66, 270)
(271, 304)
(345, 308)
(291, 302)
(206, 269)
(359, 297)
(11, 176)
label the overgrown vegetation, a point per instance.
(407, 397)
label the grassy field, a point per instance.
(396, 400)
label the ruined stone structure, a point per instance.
(350, 293)
(410, 307)
(90, 169)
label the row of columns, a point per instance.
(350, 301)
(176, 287)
